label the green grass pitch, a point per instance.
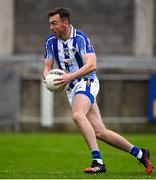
(64, 156)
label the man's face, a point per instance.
(57, 25)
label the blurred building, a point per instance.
(123, 35)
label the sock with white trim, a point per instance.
(136, 152)
(96, 156)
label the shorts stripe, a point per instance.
(90, 96)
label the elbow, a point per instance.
(93, 67)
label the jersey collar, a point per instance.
(73, 32)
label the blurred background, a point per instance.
(123, 34)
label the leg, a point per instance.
(104, 134)
(80, 108)
(116, 140)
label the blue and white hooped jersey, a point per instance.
(68, 54)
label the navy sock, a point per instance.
(96, 154)
(135, 151)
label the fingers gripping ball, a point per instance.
(51, 84)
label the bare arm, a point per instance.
(48, 65)
(90, 66)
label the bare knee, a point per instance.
(77, 116)
(102, 134)
(99, 135)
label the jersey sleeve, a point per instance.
(48, 53)
(84, 45)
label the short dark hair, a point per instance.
(63, 12)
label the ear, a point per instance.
(66, 22)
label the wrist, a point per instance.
(72, 76)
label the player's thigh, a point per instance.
(81, 104)
(95, 119)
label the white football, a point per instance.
(50, 83)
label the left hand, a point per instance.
(64, 79)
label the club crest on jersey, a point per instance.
(66, 52)
(68, 61)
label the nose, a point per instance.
(51, 27)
